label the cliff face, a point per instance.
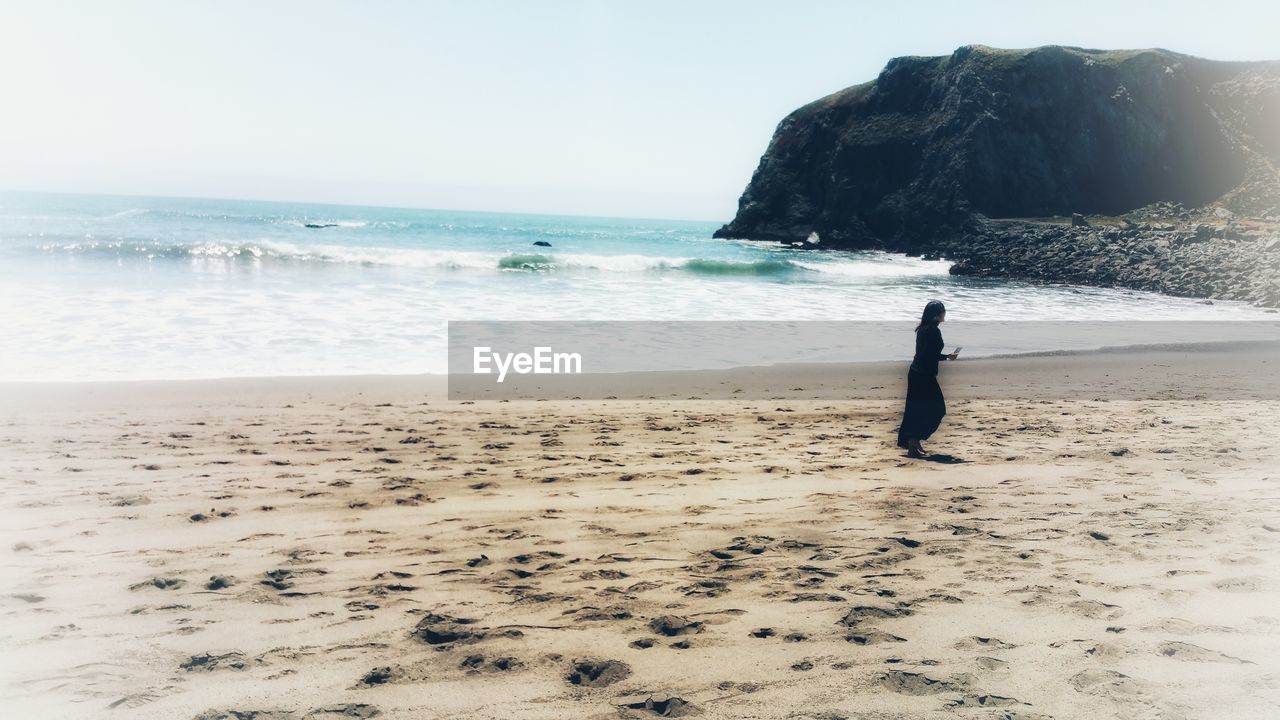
(912, 160)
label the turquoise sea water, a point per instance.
(96, 287)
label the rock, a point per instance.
(928, 143)
(541, 243)
(924, 159)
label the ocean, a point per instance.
(122, 288)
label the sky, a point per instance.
(626, 109)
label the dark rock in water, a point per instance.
(941, 156)
(321, 225)
(541, 243)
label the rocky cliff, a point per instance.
(924, 156)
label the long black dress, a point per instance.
(925, 404)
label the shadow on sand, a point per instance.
(943, 459)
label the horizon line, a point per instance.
(6, 191)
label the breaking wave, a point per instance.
(439, 259)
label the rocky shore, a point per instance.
(1229, 261)
(1167, 163)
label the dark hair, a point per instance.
(932, 313)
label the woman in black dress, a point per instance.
(925, 405)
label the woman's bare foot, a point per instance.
(914, 450)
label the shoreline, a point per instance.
(1220, 365)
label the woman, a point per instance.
(925, 405)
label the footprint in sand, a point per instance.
(1247, 584)
(218, 582)
(672, 625)
(861, 613)
(980, 700)
(350, 711)
(1114, 686)
(977, 642)
(478, 663)
(381, 676)
(1095, 609)
(1179, 626)
(161, 583)
(1195, 653)
(657, 705)
(591, 614)
(990, 663)
(912, 683)
(1239, 559)
(129, 501)
(435, 629)
(136, 700)
(207, 662)
(240, 714)
(872, 637)
(597, 673)
(278, 579)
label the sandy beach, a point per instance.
(1097, 539)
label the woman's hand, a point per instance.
(954, 355)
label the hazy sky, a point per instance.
(646, 108)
